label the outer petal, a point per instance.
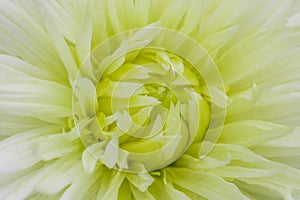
(30, 44)
(278, 104)
(30, 97)
(212, 187)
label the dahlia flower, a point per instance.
(150, 99)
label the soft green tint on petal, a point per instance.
(284, 149)
(25, 150)
(80, 185)
(212, 186)
(160, 188)
(11, 66)
(46, 179)
(110, 185)
(196, 163)
(31, 44)
(144, 108)
(31, 97)
(294, 21)
(62, 21)
(278, 104)
(141, 181)
(249, 133)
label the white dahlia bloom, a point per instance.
(150, 99)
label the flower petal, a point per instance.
(279, 104)
(160, 188)
(141, 181)
(47, 179)
(252, 132)
(284, 149)
(251, 57)
(20, 96)
(110, 184)
(30, 44)
(80, 185)
(212, 186)
(25, 150)
(13, 66)
(64, 23)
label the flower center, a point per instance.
(147, 105)
(139, 108)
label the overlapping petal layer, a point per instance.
(45, 54)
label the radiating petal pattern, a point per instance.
(149, 99)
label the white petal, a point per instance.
(50, 180)
(83, 44)
(273, 54)
(212, 186)
(279, 104)
(64, 23)
(46, 179)
(141, 195)
(252, 132)
(81, 185)
(284, 149)
(86, 98)
(11, 125)
(88, 161)
(28, 41)
(31, 97)
(13, 66)
(141, 181)
(63, 50)
(110, 185)
(161, 188)
(21, 151)
(196, 163)
(294, 21)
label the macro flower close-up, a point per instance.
(150, 99)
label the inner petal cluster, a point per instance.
(148, 104)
